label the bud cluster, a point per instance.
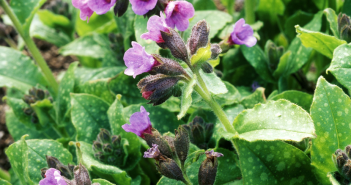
(342, 161)
(34, 96)
(344, 27)
(70, 174)
(109, 149)
(200, 132)
(273, 53)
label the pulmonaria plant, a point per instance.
(178, 14)
(140, 123)
(88, 7)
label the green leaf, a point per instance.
(43, 32)
(283, 67)
(333, 21)
(227, 169)
(274, 162)
(89, 114)
(186, 97)
(301, 99)
(66, 87)
(53, 20)
(257, 97)
(330, 114)
(25, 11)
(276, 120)
(214, 83)
(17, 106)
(28, 157)
(256, 57)
(340, 66)
(108, 172)
(18, 70)
(84, 74)
(104, 23)
(102, 182)
(117, 119)
(4, 182)
(215, 19)
(202, 55)
(300, 18)
(140, 27)
(158, 117)
(204, 5)
(332, 179)
(99, 88)
(323, 43)
(271, 9)
(17, 129)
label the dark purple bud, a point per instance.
(208, 168)
(167, 67)
(121, 7)
(209, 128)
(181, 143)
(65, 171)
(175, 43)
(100, 156)
(152, 152)
(81, 175)
(343, 20)
(199, 37)
(178, 14)
(140, 123)
(348, 151)
(345, 33)
(206, 67)
(107, 148)
(52, 161)
(40, 94)
(97, 146)
(43, 171)
(170, 169)
(242, 34)
(29, 99)
(346, 170)
(104, 136)
(116, 141)
(161, 142)
(215, 51)
(28, 111)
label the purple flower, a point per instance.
(242, 34)
(211, 153)
(141, 7)
(85, 11)
(101, 6)
(53, 177)
(152, 152)
(138, 61)
(155, 25)
(178, 14)
(139, 123)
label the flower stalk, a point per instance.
(250, 11)
(31, 46)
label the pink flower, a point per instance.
(139, 123)
(138, 61)
(242, 34)
(152, 152)
(85, 11)
(155, 25)
(53, 177)
(178, 14)
(141, 7)
(88, 7)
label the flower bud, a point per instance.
(65, 171)
(343, 20)
(97, 146)
(198, 37)
(345, 33)
(104, 136)
(29, 99)
(170, 169)
(116, 141)
(346, 170)
(43, 171)
(28, 111)
(181, 143)
(206, 67)
(340, 159)
(208, 168)
(121, 7)
(152, 152)
(156, 138)
(348, 151)
(107, 148)
(111, 159)
(175, 44)
(100, 156)
(200, 132)
(81, 175)
(215, 51)
(34, 118)
(167, 66)
(40, 94)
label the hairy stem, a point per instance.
(31, 46)
(187, 181)
(250, 11)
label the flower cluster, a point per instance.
(342, 161)
(88, 7)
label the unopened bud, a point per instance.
(215, 51)
(340, 159)
(208, 168)
(28, 111)
(121, 7)
(198, 37)
(348, 151)
(209, 128)
(152, 152)
(343, 20)
(43, 171)
(81, 175)
(206, 67)
(34, 118)
(111, 159)
(346, 170)
(345, 33)
(107, 148)
(104, 136)
(181, 143)
(156, 138)
(175, 44)
(167, 66)
(97, 146)
(170, 169)
(116, 141)
(274, 53)
(29, 99)
(65, 171)
(40, 94)
(100, 156)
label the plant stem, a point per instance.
(250, 11)
(187, 181)
(31, 46)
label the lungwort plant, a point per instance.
(195, 92)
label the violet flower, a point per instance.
(155, 25)
(242, 34)
(101, 6)
(85, 10)
(139, 123)
(178, 14)
(141, 7)
(152, 152)
(212, 153)
(138, 61)
(53, 177)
